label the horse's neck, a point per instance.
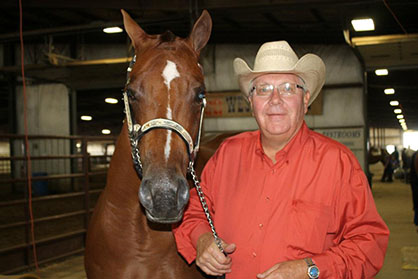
(122, 176)
(120, 196)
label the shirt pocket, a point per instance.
(307, 227)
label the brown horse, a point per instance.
(166, 82)
(377, 155)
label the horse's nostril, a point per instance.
(182, 193)
(145, 196)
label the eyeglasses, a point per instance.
(284, 89)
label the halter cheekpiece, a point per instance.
(137, 131)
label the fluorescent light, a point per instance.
(111, 30)
(394, 103)
(111, 100)
(105, 131)
(402, 120)
(397, 111)
(381, 72)
(86, 117)
(364, 24)
(404, 127)
(399, 116)
(389, 91)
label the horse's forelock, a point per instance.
(167, 37)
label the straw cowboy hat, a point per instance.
(279, 57)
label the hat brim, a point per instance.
(309, 67)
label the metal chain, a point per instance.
(135, 155)
(205, 207)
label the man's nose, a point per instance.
(275, 97)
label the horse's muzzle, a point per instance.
(164, 197)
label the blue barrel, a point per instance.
(40, 187)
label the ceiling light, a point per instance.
(399, 116)
(381, 72)
(112, 30)
(105, 131)
(394, 103)
(86, 117)
(402, 120)
(111, 100)
(404, 127)
(389, 91)
(365, 24)
(397, 111)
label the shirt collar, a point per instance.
(291, 147)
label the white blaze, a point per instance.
(168, 142)
(169, 73)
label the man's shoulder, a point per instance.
(323, 142)
(242, 138)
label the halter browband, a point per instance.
(136, 131)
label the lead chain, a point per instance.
(205, 207)
(135, 155)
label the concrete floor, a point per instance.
(394, 203)
(393, 200)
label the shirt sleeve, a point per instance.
(361, 234)
(194, 222)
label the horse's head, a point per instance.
(166, 82)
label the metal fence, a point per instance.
(68, 174)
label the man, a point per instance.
(286, 201)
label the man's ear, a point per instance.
(306, 98)
(250, 100)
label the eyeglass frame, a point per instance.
(254, 87)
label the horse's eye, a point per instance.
(201, 95)
(131, 95)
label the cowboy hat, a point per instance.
(279, 57)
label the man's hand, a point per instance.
(210, 259)
(286, 270)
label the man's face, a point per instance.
(278, 114)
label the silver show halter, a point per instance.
(137, 131)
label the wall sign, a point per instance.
(234, 104)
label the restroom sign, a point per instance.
(353, 138)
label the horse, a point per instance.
(377, 155)
(164, 102)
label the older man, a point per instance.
(286, 201)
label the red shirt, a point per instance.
(315, 201)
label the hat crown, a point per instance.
(274, 56)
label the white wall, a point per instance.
(47, 114)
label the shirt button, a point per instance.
(267, 198)
(260, 225)
(254, 254)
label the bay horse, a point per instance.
(377, 155)
(164, 101)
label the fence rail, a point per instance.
(69, 173)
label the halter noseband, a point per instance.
(136, 131)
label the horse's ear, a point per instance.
(135, 32)
(201, 31)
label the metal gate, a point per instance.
(68, 174)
